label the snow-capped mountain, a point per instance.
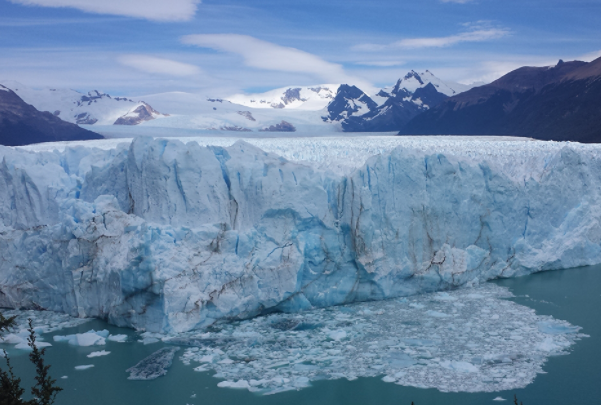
(325, 108)
(413, 81)
(194, 111)
(392, 107)
(560, 103)
(295, 97)
(91, 108)
(22, 124)
(318, 109)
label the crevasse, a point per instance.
(170, 237)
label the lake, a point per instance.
(572, 295)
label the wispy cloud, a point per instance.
(475, 32)
(589, 57)
(152, 64)
(381, 63)
(158, 10)
(265, 55)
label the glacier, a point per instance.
(171, 236)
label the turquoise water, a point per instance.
(573, 295)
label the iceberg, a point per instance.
(90, 338)
(166, 236)
(153, 366)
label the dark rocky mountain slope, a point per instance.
(22, 124)
(357, 112)
(560, 103)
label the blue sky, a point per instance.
(136, 47)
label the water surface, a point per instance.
(573, 295)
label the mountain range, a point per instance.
(320, 109)
(560, 103)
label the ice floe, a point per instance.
(117, 338)
(465, 340)
(90, 338)
(84, 367)
(98, 354)
(154, 365)
(42, 322)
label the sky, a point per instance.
(222, 47)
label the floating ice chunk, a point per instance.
(98, 354)
(117, 338)
(64, 377)
(230, 384)
(462, 366)
(554, 327)
(388, 379)
(499, 399)
(301, 382)
(43, 321)
(149, 340)
(549, 345)
(90, 338)
(400, 360)
(84, 367)
(337, 335)
(437, 314)
(154, 365)
(443, 296)
(25, 345)
(13, 339)
(209, 358)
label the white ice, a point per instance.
(90, 338)
(466, 351)
(98, 354)
(84, 367)
(167, 236)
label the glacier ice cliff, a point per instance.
(170, 236)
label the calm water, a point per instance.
(572, 295)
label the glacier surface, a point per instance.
(168, 236)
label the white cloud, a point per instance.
(151, 64)
(158, 10)
(268, 56)
(589, 57)
(477, 32)
(381, 63)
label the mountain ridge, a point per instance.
(22, 124)
(561, 102)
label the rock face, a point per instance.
(142, 113)
(283, 126)
(559, 103)
(357, 112)
(22, 124)
(349, 100)
(170, 237)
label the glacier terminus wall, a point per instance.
(170, 236)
